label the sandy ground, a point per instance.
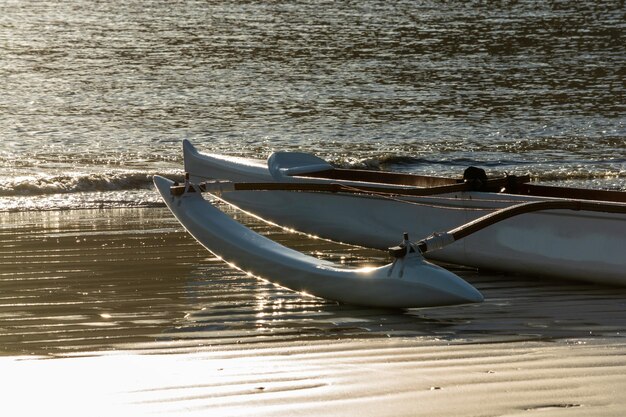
(346, 378)
(120, 313)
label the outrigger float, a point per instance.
(526, 228)
(410, 281)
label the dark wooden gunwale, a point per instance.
(383, 177)
(517, 187)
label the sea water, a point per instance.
(95, 97)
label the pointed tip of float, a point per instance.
(474, 296)
(417, 283)
(464, 293)
(163, 186)
(160, 182)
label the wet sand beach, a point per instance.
(120, 311)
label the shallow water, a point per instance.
(96, 96)
(132, 279)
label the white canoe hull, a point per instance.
(412, 282)
(565, 244)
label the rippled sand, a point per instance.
(136, 318)
(332, 378)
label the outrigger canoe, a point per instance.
(372, 208)
(410, 281)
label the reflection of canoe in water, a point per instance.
(409, 282)
(372, 209)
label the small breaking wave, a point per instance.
(43, 185)
(79, 190)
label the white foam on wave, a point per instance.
(79, 189)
